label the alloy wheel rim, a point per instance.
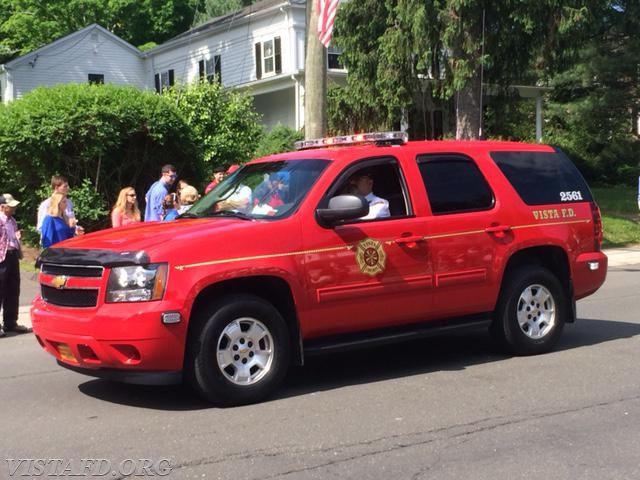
(536, 311)
(245, 351)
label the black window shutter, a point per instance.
(278, 54)
(157, 81)
(201, 71)
(171, 77)
(218, 67)
(258, 47)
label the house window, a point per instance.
(210, 69)
(96, 79)
(164, 80)
(333, 58)
(268, 58)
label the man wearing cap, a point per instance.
(218, 176)
(10, 254)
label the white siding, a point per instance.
(74, 59)
(236, 49)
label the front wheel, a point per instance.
(531, 311)
(239, 352)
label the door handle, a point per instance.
(498, 230)
(409, 239)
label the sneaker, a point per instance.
(2, 334)
(20, 329)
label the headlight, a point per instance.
(137, 283)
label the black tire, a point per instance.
(239, 351)
(531, 311)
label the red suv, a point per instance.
(347, 242)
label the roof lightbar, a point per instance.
(383, 138)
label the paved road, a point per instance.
(446, 408)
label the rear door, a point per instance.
(465, 234)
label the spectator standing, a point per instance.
(56, 226)
(218, 176)
(10, 255)
(59, 184)
(188, 196)
(170, 207)
(126, 210)
(157, 192)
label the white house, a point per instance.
(92, 54)
(259, 49)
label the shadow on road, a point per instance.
(452, 352)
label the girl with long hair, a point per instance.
(56, 226)
(126, 210)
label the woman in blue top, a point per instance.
(56, 227)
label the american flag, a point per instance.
(326, 15)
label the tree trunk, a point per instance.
(315, 79)
(468, 110)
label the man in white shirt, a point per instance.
(362, 183)
(59, 184)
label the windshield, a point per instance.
(262, 190)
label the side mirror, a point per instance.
(343, 207)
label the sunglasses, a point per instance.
(131, 194)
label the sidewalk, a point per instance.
(618, 257)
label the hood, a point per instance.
(161, 241)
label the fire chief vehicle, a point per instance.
(347, 242)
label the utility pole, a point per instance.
(315, 78)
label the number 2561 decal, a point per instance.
(570, 196)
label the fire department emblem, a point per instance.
(370, 257)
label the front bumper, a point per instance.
(124, 342)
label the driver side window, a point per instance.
(380, 183)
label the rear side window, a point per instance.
(454, 184)
(543, 177)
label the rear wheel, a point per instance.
(240, 351)
(531, 311)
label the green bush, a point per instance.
(280, 139)
(101, 138)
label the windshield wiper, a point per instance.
(232, 213)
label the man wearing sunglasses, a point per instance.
(156, 193)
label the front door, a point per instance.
(372, 272)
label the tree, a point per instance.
(26, 25)
(593, 111)
(225, 126)
(216, 8)
(398, 49)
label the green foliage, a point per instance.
(224, 125)
(280, 139)
(400, 53)
(101, 138)
(26, 25)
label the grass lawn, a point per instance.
(620, 216)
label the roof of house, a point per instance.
(225, 21)
(76, 37)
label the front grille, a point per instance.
(72, 270)
(70, 297)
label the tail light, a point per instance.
(597, 226)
